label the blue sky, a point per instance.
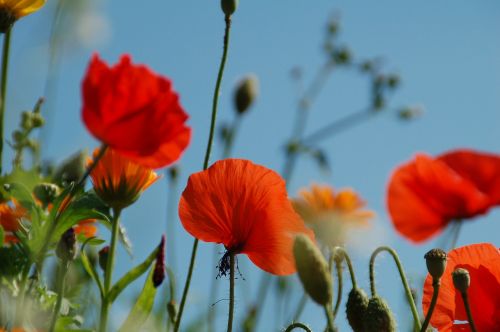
(446, 52)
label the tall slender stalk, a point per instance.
(231, 293)
(435, 293)
(465, 298)
(3, 87)
(329, 318)
(63, 269)
(108, 274)
(206, 161)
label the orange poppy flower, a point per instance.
(483, 263)
(245, 207)
(134, 111)
(427, 193)
(10, 218)
(119, 181)
(86, 227)
(331, 214)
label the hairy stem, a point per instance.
(231, 294)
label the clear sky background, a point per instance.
(447, 53)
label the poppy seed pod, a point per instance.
(379, 316)
(67, 247)
(229, 6)
(435, 259)
(246, 92)
(461, 279)
(357, 303)
(313, 270)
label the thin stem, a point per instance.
(229, 142)
(231, 293)
(455, 235)
(3, 87)
(329, 318)
(436, 283)
(63, 269)
(206, 161)
(465, 298)
(108, 274)
(89, 170)
(338, 267)
(349, 265)
(298, 325)
(171, 210)
(409, 297)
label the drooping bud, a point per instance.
(172, 310)
(71, 169)
(229, 6)
(67, 247)
(435, 259)
(378, 316)
(461, 279)
(103, 257)
(46, 193)
(246, 92)
(356, 306)
(313, 270)
(159, 271)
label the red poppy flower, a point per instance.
(134, 111)
(483, 263)
(245, 207)
(427, 193)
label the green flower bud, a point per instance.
(379, 317)
(71, 169)
(38, 120)
(67, 248)
(103, 257)
(356, 306)
(461, 279)
(27, 120)
(46, 193)
(313, 270)
(229, 6)
(435, 259)
(246, 93)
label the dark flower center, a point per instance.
(7, 18)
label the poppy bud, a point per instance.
(246, 93)
(27, 120)
(313, 270)
(229, 6)
(378, 316)
(357, 303)
(71, 169)
(159, 271)
(461, 279)
(46, 193)
(103, 257)
(172, 310)
(67, 247)
(435, 259)
(37, 120)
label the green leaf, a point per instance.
(24, 197)
(90, 268)
(142, 307)
(131, 275)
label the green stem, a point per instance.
(347, 259)
(63, 269)
(455, 235)
(465, 298)
(229, 143)
(329, 318)
(3, 87)
(108, 274)
(298, 325)
(231, 293)
(338, 267)
(409, 297)
(206, 161)
(436, 283)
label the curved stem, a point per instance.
(465, 298)
(298, 325)
(206, 162)
(338, 267)
(409, 297)
(63, 269)
(3, 86)
(436, 283)
(231, 293)
(349, 265)
(108, 274)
